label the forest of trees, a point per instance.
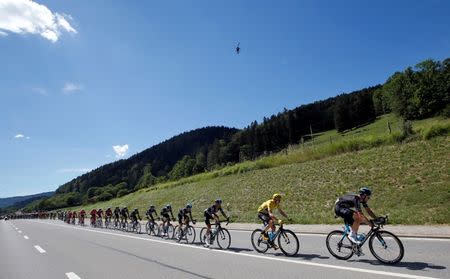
(417, 92)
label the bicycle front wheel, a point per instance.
(339, 245)
(223, 238)
(190, 234)
(288, 243)
(386, 247)
(154, 229)
(258, 243)
(203, 235)
(138, 228)
(147, 228)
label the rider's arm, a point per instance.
(271, 214)
(223, 213)
(282, 212)
(370, 212)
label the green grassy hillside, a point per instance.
(410, 180)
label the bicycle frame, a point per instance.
(373, 230)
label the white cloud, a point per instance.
(82, 170)
(120, 150)
(26, 16)
(70, 88)
(21, 136)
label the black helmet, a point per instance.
(152, 206)
(365, 191)
(189, 205)
(219, 201)
(168, 206)
(135, 209)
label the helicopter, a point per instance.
(238, 49)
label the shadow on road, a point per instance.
(238, 250)
(408, 265)
(304, 256)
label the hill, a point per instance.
(410, 178)
(6, 202)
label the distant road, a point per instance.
(52, 249)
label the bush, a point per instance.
(105, 196)
(437, 130)
(122, 193)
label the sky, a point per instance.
(85, 83)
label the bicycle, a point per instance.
(134, 226)
(187, 233)
(124, 225)
(81, 221)
(99, 222)
(151, 227)
(116, 223)
(93, 222)
(340, 246)
(108, 224)
(220, 234)
(287, 241)
(166, 229)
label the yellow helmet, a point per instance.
(276, 196)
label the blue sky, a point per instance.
(79, 77)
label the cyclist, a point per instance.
(166, 217)
(74, 216)
(116, 216)
(82, 215)
(211, 213)
(265, 213)
(69, 215)
(124, 215)
(108, 214)
(100, 213)
(344, 208)
(184, 215)
(93, 216)
(134, 217)
(150, 211)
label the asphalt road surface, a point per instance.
(52, 249)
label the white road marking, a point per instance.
(19, 231)
(300, 262)
(72, 275)
(39, 248)
(26, 237)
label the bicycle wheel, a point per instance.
(147, 228)
(161, 230)
(339, 245)
(170, 231)
(154, 229)
(189, 234)
(223, 238)
(176, 232)
(138, 228)
(386, 247)
(288, 243)
(203, 235)
(258, 243)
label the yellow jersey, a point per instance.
(270, 204)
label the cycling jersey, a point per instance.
(108, 212)
(93, 212)
(116, 212)
(212, 210)
(99, 213)
(183, 214)
(150, 212)
(82, 213)
(350, 201)
(267, 205)
(124, 212)
(135, 215)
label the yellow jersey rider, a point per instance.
(265, 213)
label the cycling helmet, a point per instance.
(189, 205)
(219, 201)
(276, 196)
(365, 191)
(152, 206)
(135, 209)
(109, 208)
(168, 206)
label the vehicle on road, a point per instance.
(384, 246)
(221, 235)
(287, 241)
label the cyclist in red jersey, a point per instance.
(93, 216)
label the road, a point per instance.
(52, 249)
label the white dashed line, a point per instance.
(26, 237)
(19, 231)
(42, 251)
(72, 275)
